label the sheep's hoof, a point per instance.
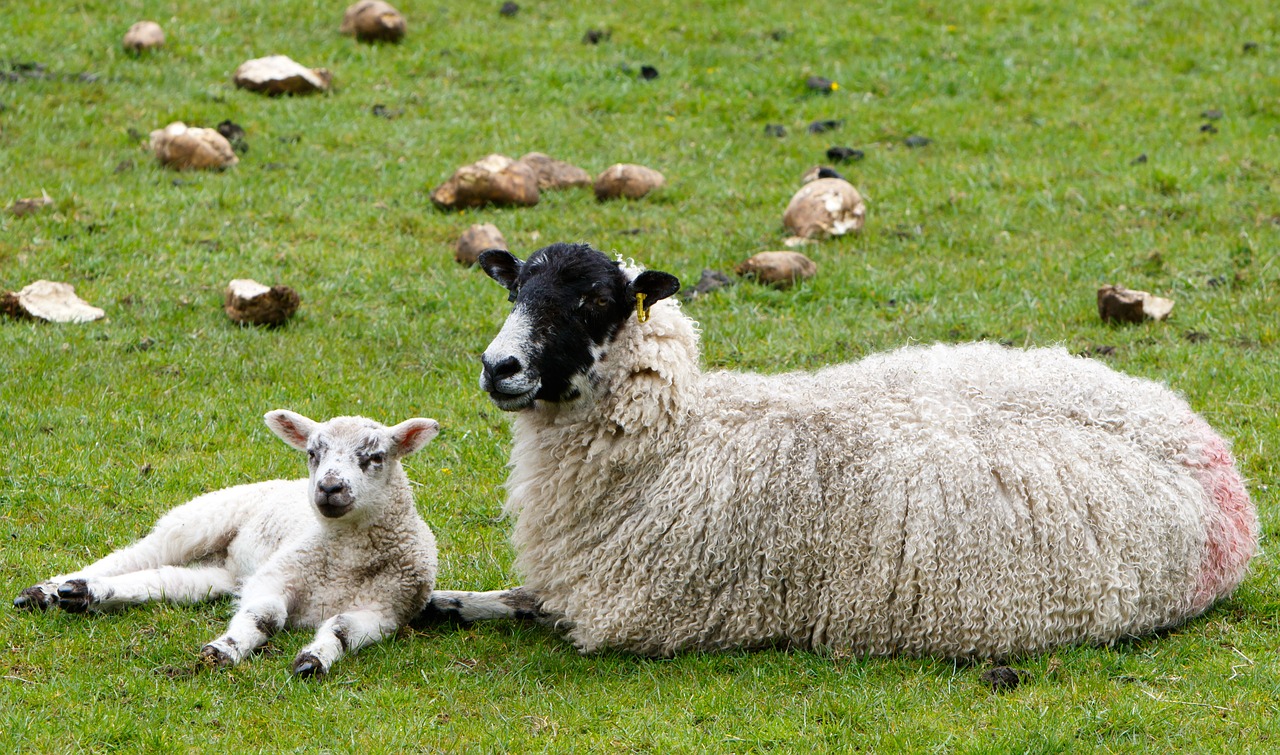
(307, 666)
(74, 596)
(212, 656)
(33, 598)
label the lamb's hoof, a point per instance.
(34, 598)
(307, 666)
(212, 656)
(74, 596)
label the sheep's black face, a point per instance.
(570, 301)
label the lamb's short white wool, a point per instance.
(962, 501)
(344, 551)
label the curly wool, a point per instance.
(962, 501)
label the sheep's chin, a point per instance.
(513, 402)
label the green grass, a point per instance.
(1002, 229)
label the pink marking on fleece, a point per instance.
(1230, 521)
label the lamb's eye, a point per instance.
(377, 458)
(312, 455)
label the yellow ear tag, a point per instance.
(642, 314)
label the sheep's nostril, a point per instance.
(329, 486)
(504, 369)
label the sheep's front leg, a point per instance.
(175, 584)
(339, 635)
(264, 607)
(458, 606)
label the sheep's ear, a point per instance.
(655, 286)
(502, 266)
(412, 434)
(293, 428)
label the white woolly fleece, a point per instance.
(963, 501)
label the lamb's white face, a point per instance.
(350, 458)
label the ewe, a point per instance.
(344, 551)
(964, 501)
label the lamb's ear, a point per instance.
(502, 266)
(293, 428)
(412, 434)
(655, 285)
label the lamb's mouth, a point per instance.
(330, 511)
(513, 402)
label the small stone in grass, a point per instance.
(143, 36)
(476, 239)
(556, 174)
(627, 181)
(50, 301)
(30, 206)
(250, 303)
(825, 207)
(821, 84)
(844, 154)
(775, 129)
(181, 147)
(778, 269)
(1003, 678)
(1119, 304)
(509, 9)
(914, 141)
(822, 127)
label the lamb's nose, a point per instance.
(331, 486)
(505, 368)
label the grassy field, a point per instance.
(1030, 196)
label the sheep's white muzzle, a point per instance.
(505, 374)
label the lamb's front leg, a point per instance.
(262, 612)
(459, 606)
(339, 635)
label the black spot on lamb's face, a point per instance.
(570, 301)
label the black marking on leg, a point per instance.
(268, 625)
(524, 603)
(340, 631)
(307, 666)
(446, 611)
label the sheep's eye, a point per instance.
(602, 302)
(312, 455)
(377, 458)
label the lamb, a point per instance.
(967, 502)
(344, 552)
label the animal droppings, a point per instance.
(1119, 304)
(825, 207)
(248, 302)
(556, 174)
(497, 179)
(778, 269)
(476, 239)
(844, 154)
(1139, 160)
(277, 75)
(1003, 678)
(627, 181)
(596, 36)
(23, 207)
(648, 73)
(181, 147)
(915, 142)
(711, 280)
(144, 36)
(49, 301)
(509, 9)
(373, 21)
(234, 134)
(822, 127)
(821, 84)
(775, 129)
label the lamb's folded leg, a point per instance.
(263, 608)
(453, 606)
(339, 635)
